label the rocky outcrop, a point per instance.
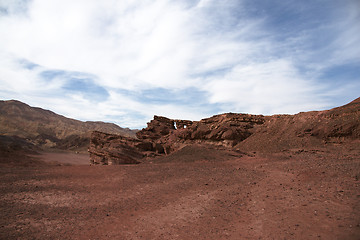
(164, 135)
(228, 128)
(112, 149)
(109, 149)
(156, 128)
(306, 129)
(243, 132)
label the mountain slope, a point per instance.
(46, 128)
(307, 129)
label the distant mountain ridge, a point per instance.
(45, 128)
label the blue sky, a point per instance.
(125, 61)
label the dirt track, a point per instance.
(298, 194)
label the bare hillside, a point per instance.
(46, 128)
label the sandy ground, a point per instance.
(64, 158)
(298, 194)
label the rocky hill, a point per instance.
(237, 132)
(47, 129)
(307, 129)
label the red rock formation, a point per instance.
(307, 129)
(181, 124)
(229, 127)
(156, 128)
(234, 131)
(164, 135)
(108, 149)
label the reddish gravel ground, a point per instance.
(197, 193)
(64, 158)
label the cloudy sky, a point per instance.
(125, 61)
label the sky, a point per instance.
(125, 61)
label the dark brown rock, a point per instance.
(228, 127)
(145, 146)
(109, 149)
(158, 127)
(180, 124)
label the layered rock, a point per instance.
(227, 129)
(156, 128)
(109, 149)
(112, 149)
(244, 132)
(164, 135)
(307, 129)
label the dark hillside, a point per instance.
(45, 128)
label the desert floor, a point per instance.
(197, 193)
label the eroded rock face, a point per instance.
(242, 132)
(109, 149)
(164, 135)
(112, 149)
(306, 129)
(157, 128)
(230, 127)
(181, 124)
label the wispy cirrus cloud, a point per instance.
(124, 61)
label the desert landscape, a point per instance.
(230, 176)
(179, 119)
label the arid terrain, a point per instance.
(42, 127)
(296, 180)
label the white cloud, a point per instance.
(118, 41)
(264, 88)
(127, 45)
(215, 47)
(16, 76)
